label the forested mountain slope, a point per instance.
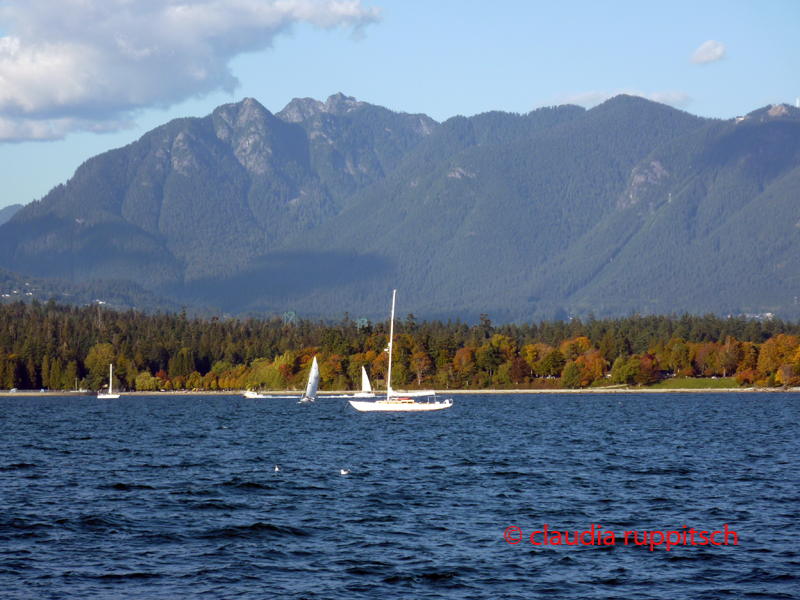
(323, 208)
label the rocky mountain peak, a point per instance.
(339, 104)
(785, 112)
(246, 113)
(304, 109)
(245, 125)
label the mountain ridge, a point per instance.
(324, 207)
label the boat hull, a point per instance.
(107, 396)
(394, 406)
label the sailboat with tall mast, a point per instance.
(399, 401)
(110, 395)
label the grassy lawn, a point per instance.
(696, 384)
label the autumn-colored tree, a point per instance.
(506, 346)
(421, 364)
(380, 366)
(786, 376)
(530, 353)
(520, 371)
(163, 378)
(776, 352)
(705, 359)
(194, 382)
(592, 366)
(572, 349)
(146, 382)
(648, 371)
(464, 366)
(746, 377)
(749, 356)
(209, 381)
(377, 343)
(331, 372)
(729, 356)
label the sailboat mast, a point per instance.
(111, 378)
(391, 337)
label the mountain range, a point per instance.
(324, 207)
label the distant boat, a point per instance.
(313, 383)
(366, 388)
(311, 388)
(399, 401)
(110, 395)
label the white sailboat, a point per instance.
(313, 383)
(366, 388)
(110, 395)
(399, 401)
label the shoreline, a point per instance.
(493, 392)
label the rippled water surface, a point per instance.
(177, 496)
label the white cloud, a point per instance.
(674, 98)
(67, 65)
(587, 99)
(711, 51)
(590, 99)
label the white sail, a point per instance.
(398, 401)
(365, 386)
(313, 383)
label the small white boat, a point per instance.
(313, 383)
(252, 394)
(399, 401)
(110, 395)
(366, 388)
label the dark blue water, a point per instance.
(177, 497)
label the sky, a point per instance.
(80, 77)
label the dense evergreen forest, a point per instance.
(61, 347)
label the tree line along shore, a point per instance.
(59, 347)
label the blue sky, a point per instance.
(79, 77)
